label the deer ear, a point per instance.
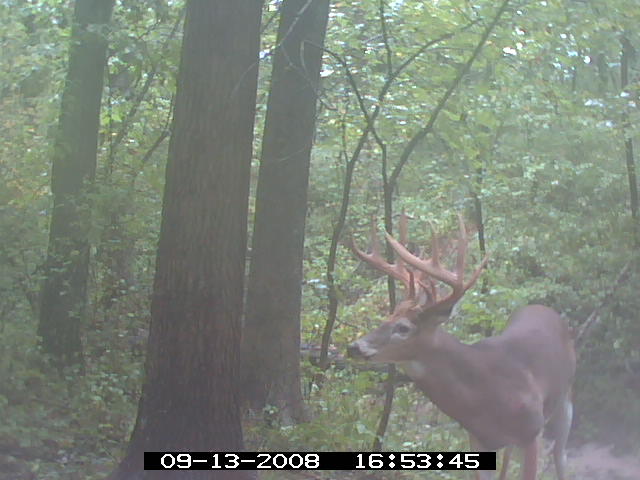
(434, 317)
(422, 298)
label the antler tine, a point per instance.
(456, 294)
(435, 247)
(375, 259)
(412, 285)
(429, 286)
(403, 228)
(375, 243)
(427, 270)
(477, 273)
(425, 266)
(431, 269)
(462, 249)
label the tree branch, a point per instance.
(420, 134)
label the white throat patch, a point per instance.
(414, 369)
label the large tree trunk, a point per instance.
(190, 396)
(271, 342)
(63, 297)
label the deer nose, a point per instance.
(353, 350)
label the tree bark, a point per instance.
(271, 342)
(190, 396)
(63, 296)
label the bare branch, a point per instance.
(420, 134)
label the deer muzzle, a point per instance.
(360, 350)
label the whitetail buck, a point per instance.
(504, 390)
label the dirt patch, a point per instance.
(596, 462)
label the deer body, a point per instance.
(455, 375)
(503, 389)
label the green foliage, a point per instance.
(534, 132)
(61, 425)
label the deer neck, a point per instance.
(452, 374)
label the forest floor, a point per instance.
(592, 461)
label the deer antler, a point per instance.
(429, 270)
(396, 270)
(432, 269)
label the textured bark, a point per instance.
(189, 400)
(63, 297)
(271, 343)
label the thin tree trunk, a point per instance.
(390, 184)
(370, 127)
(476, 193)
(627, 54)
(271, 339)
(190, 396)
(63, 296)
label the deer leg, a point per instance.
(476, 446)
(530, 463)
(505, 463)
(562, 425)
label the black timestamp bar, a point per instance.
(320, 461)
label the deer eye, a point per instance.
(401, 328)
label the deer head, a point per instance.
(501, 389)
(416, 318)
